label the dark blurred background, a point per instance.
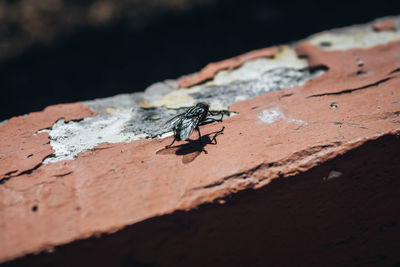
(58, 51)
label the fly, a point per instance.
(185, 123)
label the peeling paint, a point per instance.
(221, 96)
(356, 37)
(69, 139)
(253, 69)
(27, 150)
(211, 69)
(129, 117)
(123, 119)
(173, 100)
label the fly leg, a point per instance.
(217, 113)
(173, 141)
(210, 120)
(201, 142)
(214, 140)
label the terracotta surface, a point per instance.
(22, 148)
(275, 135)
(386, 25)
(360, 68)
(211, 69)
(302, 220)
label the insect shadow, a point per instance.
(193, 148)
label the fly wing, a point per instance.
(170, 125)
(187, 127)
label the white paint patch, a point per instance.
(266, 74)
(240, 98)
(69, 139)
(217, 105)
(253, 69)
(273, 114)
(356, 38)
(165, 135)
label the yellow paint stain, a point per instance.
(174, 100)
(111, 110)
(146, 104)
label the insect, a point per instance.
(183, 124)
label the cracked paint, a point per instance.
(347, 91)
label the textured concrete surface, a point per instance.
(105, 176)
(302, 220)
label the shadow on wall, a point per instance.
(315, 218)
